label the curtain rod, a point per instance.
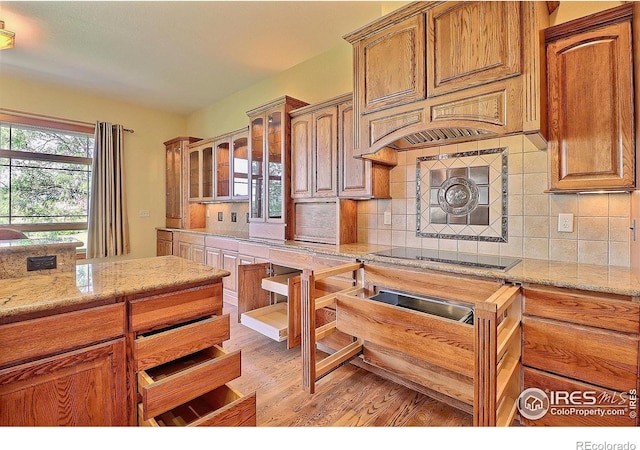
(57, 119)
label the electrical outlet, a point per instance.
(387, 217)
(234, 217)
(565, 223)
(143, 213)
(247, 217)
(219, 216)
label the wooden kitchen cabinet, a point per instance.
(575, 340)
(270, 206)
(231, 166)
(591, 145)
(432, 73)
(189, 246)
(65, 369)
(164, 243)
(179, 365)
(200, 171)
(179, 212)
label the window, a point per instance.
(45, 177)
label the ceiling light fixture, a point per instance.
(7, 38)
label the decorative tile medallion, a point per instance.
(463, 195)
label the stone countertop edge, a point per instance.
(94, 281)
(589, 277)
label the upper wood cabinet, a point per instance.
(431, 73)
(591, 102)
(270, 206)
(232, 166)
(324, 163)
(179, 212)
(200, 173)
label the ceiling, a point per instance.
(172, 55)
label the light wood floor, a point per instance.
(348, 396)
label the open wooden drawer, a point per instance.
(223, 406)
(170, 385)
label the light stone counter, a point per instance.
(14, 254)
(95, 281)
(590, 277)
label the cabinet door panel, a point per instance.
(354, 173)
(250, 293)
(393, 65)
(300, 157)
(85, 387)
(325, 152)
(591, 147)
(230, 263)
(471, 43)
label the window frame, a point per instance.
(50, 123)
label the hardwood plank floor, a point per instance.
(347, 397)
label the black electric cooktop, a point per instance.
(441, 256)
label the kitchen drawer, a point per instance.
(224, 406)
(440, 341)
(167, 386)
(164, 235)
(159, 347)
(605, 399)
(158, 311)
(591, 355)
(221, 243)
(189, 238)
(606, 311)
(37, 338)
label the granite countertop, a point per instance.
(25, 244)
(590, 277)
(94, 281)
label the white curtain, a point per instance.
(108, 221)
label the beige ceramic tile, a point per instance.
(515, 205)
(593, 228)
(468, 246)
(536, 205)
(513, 143)
(410, 174)
(398, 190)
(512, 248)
(398, 174)
(537, 248)
(368, 207)
(489, 143)
(619, 254)
(515, 164)
(536, 226)
(448, 149)
(535, 162)
(402, 158)
(535, 183)
(399, 222)
(450, 245)
(489, 248)
(563, 250)
(593, 205)
(555, 234)
(515, 184)
(593, 252)
(363, 236)
(384, 237)
(399, 206)
(468, 146)
(515, 226)
(412, 240)
(619, 229)
(529, 146)
(559, 204)
(620, 205)
(429, 151)
(399, 238)
(430, 243)
(411, 205)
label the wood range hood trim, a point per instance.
(500, 103)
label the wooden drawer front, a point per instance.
(168, 386)
(221, 243)
(442, 342)
(189, 238)
(582, 308)
(605, 399)
(36, 338)
(258, 251)
(165, 235)
(296, 260)
(167, 309)
(598, 357)
(222, 407)
(159, 348)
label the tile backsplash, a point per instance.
(600, 225)
(227, 211)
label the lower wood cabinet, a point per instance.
(180, 368)
(65, 370)
(164, 243)
(578, 341)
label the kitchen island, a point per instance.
(79, 348)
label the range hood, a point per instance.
(435, 73)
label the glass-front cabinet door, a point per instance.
(223, 170)
(194, 175)
(207, 173)
(256, 194)
(201, 171)
(240, 167)
(275, 164)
